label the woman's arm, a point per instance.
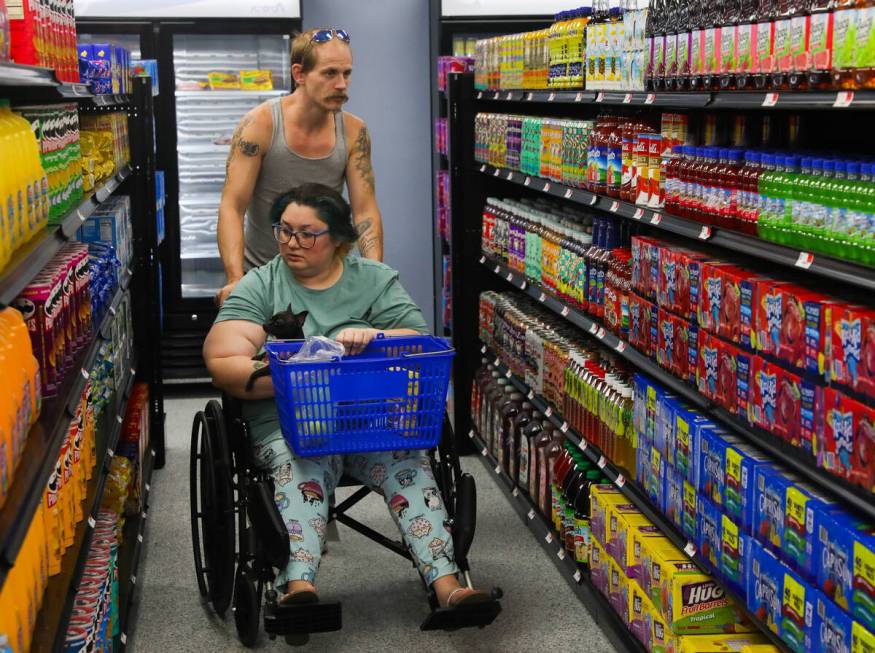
(228, 352)
(355, 339)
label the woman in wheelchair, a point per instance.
(313, 283)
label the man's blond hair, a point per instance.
(304, 50)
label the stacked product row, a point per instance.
(453, 64)
(816, 202)
(53, 529)
(106, 68)
(40, 33)
(599, 47)
(782, 357)
(443, 220)
(752, 523)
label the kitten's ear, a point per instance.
(301, 317)
(289, 309)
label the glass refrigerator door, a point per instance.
(210, 100)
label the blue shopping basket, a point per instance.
(390, 397)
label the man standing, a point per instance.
(300, 138)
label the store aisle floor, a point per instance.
(382, 597)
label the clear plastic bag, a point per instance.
(319, 348)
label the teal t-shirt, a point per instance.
(368, 295)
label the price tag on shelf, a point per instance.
(548, 538)
(805, 260)
(600, 97)
(497, 269)
(593, 200)
(498, 469)
(639, 213)
(656, 218)
(690, 549)
(479, 95)
(510, 175)
(551, 97)
(650, 98)
(527, 181)
(615, 206)
(542, 298)
(144, 514)
(565, 311)
(593, 328)
(705, 233)
(531, 514)
(530, 97)
(508, 374)
(627, 99)
(583, 445)
(771, 99)
(577, 576)
(508, 96)
(496, 173)
(600, 334)
(564, 427)
(602, 462)
(483, 349)
(84, 374)
(91, 521)
(515, 492)
(148, 488)
(483, 168)
(482, 259)
(140, 538)
(531, 395)
(509, 276)
(133, 579)
(549, 412)
(484, 452)
(81, 216)
(843, 99)
(568, 193)
(471, 434)
(546, 187)
(578, 97)
(495, 97)
(524, 285)
(561, 554)
(620, 481)
(620, 346)
(124, 638)
(497, 361)
(118, 418)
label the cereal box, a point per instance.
(847, 448)
(851, 348)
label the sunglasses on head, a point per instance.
(325, 35)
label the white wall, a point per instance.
(391, 93)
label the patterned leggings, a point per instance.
(403, 478)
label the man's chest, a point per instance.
(314, 145)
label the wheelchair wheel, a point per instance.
(212, 508)
(247, 605)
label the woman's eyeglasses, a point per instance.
(325, 35)
(305, 239)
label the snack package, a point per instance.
(674, 497)
(776, 403)
(679, 278)
(618, 590)
(718, 374)
(256, 80)
(791, 325)
(602, 498)
(645, 266)
(222, 80)
(621, 518)
(847, 448)
(710, 529)
(643, 317)
(641, 612)
(599, 568)
(726, 302)
(845, 564)
(673, 340)
(851, 348)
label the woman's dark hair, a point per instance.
(329, 205)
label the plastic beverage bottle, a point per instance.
(864, 73)
(614, 149)
(509, 411)
(821, 44)
(728, 44)
(765, 224)
(844, 55)
(526, 471)
(548, 455)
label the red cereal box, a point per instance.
(851, 348)
(791, 325)
(673, 338)
(641, 321)
(645, 266)
(775, 400)
(706, 377)
(678, 281)
(847, 448)
(727, 375)
(726, 302)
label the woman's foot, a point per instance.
(299, 591)
(451, 594)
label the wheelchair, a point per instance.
(239, 537)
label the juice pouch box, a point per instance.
(641, 616)
(776, 403)
(642, 539)
(791, 325)
(690, 515)
(780, 599)
(100, 66)
(689, 270)
(710, 531)
(734, 556)
(741, 463)
(760, 648)
(674, 497)
(645, 266)
(688, 428)
(718, 643)
(657, 473)
(642, 315)
(847, 448)
(834, 629)
(618, 590)
(656, 557)
(599, 568)
(621, 517)
(851, 348)
(672, 347)
(601, 498)
(845, 557)
(629, 543)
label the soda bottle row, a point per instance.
(616, 46)
(745, 44)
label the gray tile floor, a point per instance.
(382, 597)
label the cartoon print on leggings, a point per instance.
(406, 477)
(399, 504)
(425, 465)
(281, 500)
(312, 492)
(419, 528)
(432, 498)
(378, 474)
(319, 526)
(264, 453)
(302, 555)
(309, 575)
(284, 474)
(438, 548)
(296, 532)
(429, 573)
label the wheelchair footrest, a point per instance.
(476, 615)
(303, 618)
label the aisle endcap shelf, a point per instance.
(844, 272)
(791, 457)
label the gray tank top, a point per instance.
(281, 170)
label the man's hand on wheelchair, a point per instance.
(355, 339)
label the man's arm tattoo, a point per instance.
(247, 147)
(362, 154)
(367, 237)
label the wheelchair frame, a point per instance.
(239, 537)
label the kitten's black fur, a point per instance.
(285, 325)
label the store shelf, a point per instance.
(131, 551)
(225, 95)
(618, 477)
(52, 621)
(794, 100)
(843, 272)
(29, 260)
(578, 579)
(793, 458)
(41, 451)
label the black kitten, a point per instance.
(285, 325)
